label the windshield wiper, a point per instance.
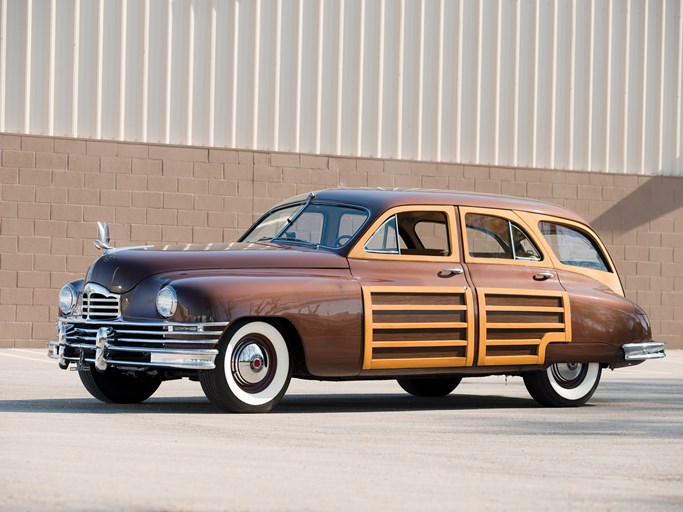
(296, 241)
(294, 216)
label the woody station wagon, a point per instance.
(419, 286)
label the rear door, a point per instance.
(522, 306)
(418, 306)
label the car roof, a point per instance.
(379, 200)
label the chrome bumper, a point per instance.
(644, 350)
(137, 345)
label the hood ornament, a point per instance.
(103, 242)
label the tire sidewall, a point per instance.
(582, 390)
(276, 388)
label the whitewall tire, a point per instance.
(253, 369)
(564, 384)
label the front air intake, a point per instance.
(99, 304)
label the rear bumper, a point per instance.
(644, 350)
(137, 345)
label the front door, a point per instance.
(521, 303)
(418, 306)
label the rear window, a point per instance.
(573, 247)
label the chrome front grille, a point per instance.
(143, 344)
(97, 306)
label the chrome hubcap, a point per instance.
(566, 373)
(250, 364)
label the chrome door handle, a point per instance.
(451, 272)
(542, 276)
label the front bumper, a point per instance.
(644, 350)
(137, 345)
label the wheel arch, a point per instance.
(289, 332)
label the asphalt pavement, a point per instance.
(341, 446)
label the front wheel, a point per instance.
(564, 384)
(253, 369)
(118, 387)
(429, 387)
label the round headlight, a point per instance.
(167, 301)
(67, 299)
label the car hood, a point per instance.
(119, 270)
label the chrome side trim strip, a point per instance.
(644, 350)
(125, 323)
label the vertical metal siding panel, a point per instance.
(420, 77)
(368, 96)
(235, 67)
(319, 76)
(678, 156)
(100, 66)
(212, 74)
(169, 72)
(506, 72)
(297, 83)
(361, 60)
(627, 66)
(307, 81)
(74, 74)
(459, 78)
(662, 84)
(553, 87)
(498, 72)
(278, 73)
(399, 80)
(390, 47)
(572, 85)
(439, 81)
(27, 66)
(515, 116)
(591, 65)
(608, 88)
(479, 85)
(644, 97)
(380, 80)
(145, 72)
(51, 71)
(122, 70)
(3, 62)
(534, 114)
(256, 71)
(190, 72)
(340, 75)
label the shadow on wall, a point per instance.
(657, 197)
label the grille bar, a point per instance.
(143, 344)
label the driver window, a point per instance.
(412, 233)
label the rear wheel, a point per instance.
(429, 387)
(119, 387)
(564, 384)
(253, 369)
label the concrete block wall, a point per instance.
(53, 190)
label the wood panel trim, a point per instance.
(369, 362)
(561, 336)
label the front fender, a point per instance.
(324, 306)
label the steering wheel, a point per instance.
(342, 240)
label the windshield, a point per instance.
(321, 225)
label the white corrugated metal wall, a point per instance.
(591, 85)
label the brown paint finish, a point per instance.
(367, 314)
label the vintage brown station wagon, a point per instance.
(423, 287)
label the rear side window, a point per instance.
(489, 236)
(573, 247)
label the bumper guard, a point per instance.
(644, 350)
